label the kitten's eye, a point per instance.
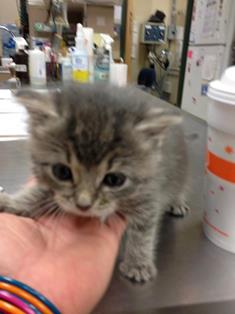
(62, 172)
(114, 179)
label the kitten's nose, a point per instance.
(83, 208)
(84, 201)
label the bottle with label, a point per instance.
(80, 57)
(66, 70)
(37, 67)
(103, 59)
(102, 65)
(22, 65)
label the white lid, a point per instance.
(21, 43)
(80, 32)
(108, 40)
(89, 36)
(21, 46)
(80, 38)
(223, 90)
(89, 33)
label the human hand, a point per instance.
(68, 259)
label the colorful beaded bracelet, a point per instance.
(18, 298)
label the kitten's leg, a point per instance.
(138, 264)
(30, 202)
(180, 208)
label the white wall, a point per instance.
(8, 12)
(141, 12)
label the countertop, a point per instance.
(194, 276)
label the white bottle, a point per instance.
(37, 67)
(66, 70)
(89, 37)
(80, 57)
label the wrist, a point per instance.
(18, 298)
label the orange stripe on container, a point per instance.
(220, 167)
(215, 228)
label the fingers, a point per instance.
(117, 223)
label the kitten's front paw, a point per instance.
(138, 272)
(179, 210)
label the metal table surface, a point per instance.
(193, 274)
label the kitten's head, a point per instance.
(94, 146)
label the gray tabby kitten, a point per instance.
(98, 149)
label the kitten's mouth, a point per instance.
(84, 208)
(97, 210)
(94, 211)
(101, 215)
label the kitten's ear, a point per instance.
(156, 121)
(39, 105)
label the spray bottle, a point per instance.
(108, 40)
(103, 59)
(80, 57)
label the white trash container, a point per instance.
(219, 218)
